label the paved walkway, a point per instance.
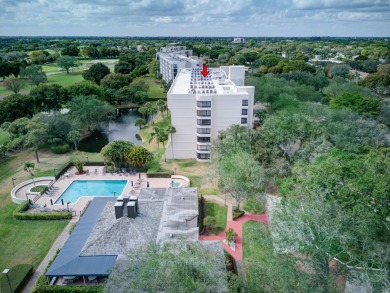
(237, 227)
(58, 244)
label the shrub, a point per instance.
(237, 214)
(167, 174)
(255, 205)
(18, 275)
(202, 205)
(230, 235)
(42, 287)
(60, 149)
(40, 188)
(210, 222)
(20, 214)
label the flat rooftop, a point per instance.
(191, 81)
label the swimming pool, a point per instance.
(175, 184)
(80, 188)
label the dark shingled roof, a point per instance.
(69, 262)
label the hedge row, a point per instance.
(21, 214)
(159, 174)
(18, 275)
(42, 287)
(60, 149)
(202, 213)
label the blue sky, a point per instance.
(351, 18)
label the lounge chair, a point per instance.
(87, 172)
(104, 171)
(96, 172)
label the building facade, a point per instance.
(173, 59)
(202, 106)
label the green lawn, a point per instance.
(4, 136)
(219, 213)
(52, 67)
(261, 265)
(65, 79)
(25, 241)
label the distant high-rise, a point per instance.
(173, 59)
(239, 41)
(202, 106)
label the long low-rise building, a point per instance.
(202, 106)
(174, 58)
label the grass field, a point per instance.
(220, 214)
(25, 241)
(65, 79)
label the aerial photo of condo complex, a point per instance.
(195, 146)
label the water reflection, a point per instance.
(122, 128)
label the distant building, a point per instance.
(173, 59)
(239, 41)
(202, 106)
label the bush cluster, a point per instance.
(42, 287)
(18, 275)
(167, 174)
(237, 214)
(60, 149)
(202, 213)
(20, 214)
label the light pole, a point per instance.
(5, 272)
(175, 171)
(13, 181)
(67, 205)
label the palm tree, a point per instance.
(28, 167)
(161, 137)
(170, 130)
(150, 109)
(162, 106)
(140, 122)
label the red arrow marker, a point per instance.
(205, 72)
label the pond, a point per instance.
(122, 128)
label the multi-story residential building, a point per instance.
(202, 106)
(173, 59)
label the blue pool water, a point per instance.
(80, 188)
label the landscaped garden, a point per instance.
(215, 218)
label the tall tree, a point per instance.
(162, 106)
(96, 72)
(36, 135)
(34, 73)
(14, 84)
(239, 175)
(89, 110)
(174, 266)
(67, 62)
(171, 130)
(74, 136)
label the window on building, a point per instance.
(204, 121)
(244, 120)
(206, 113)
(245, 102)
(203, 139)
(204, 130)
(204, 104)
(203, 147)
(204, 156)
(244, 112)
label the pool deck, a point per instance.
(62, 184)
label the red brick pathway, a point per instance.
(237, 227)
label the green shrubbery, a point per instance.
(60, 149)
(237, 214)
(20, 214)
(43, 287)
(166, 174)
(17, 277)
(40, 188)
